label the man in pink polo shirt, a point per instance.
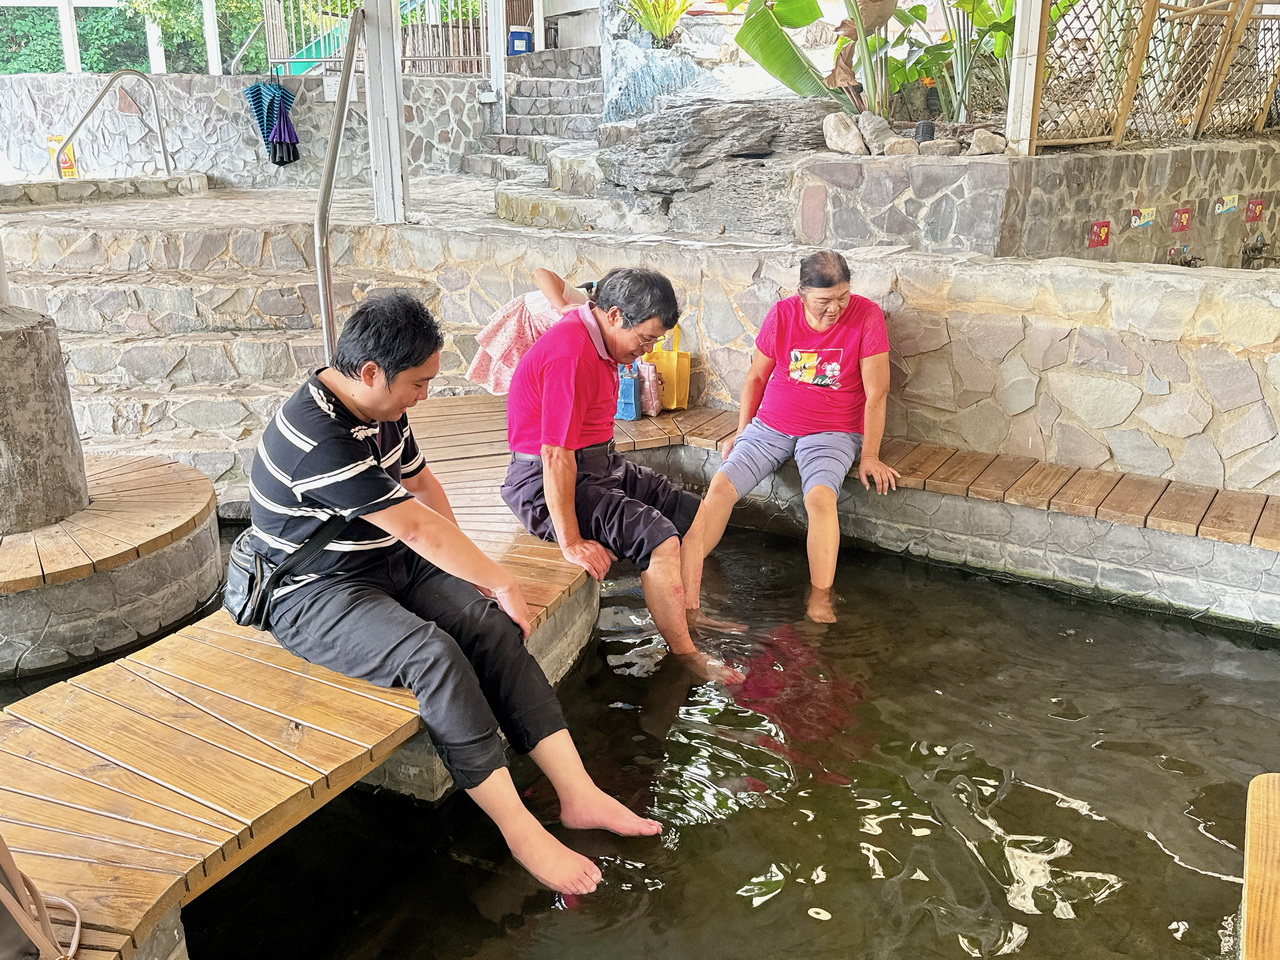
(566, 482)
(816, 391)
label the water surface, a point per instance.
(959, 768)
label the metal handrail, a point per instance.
(324, 270)
(244, 47)
(155, 105)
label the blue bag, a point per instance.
(628, 392)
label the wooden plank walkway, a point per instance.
(136, 786)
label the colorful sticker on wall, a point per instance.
(1144, 217)
(69, 171)
(1181, 219)
(1099, 233)
(1227, 204)
(1253, 210)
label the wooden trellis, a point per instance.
(1109, 71)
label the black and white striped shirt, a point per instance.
(317, 459)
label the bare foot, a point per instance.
(820, 609)
(697, 620)
(599, 811)
(709, 668)
(551, 862)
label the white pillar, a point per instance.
(539, 25)
(70, 39)
(155, 48)
(496, 18)
(384, 90)
(212, 42)
(1023, 75)
(4, 280)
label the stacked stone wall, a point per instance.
(1044, 206)
(209, 129)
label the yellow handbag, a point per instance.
(673, 369)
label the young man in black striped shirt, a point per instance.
(398, 598)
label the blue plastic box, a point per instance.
(519, 40)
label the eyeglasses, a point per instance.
(647, 341)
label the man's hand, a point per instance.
(511, 600)
(872, 470)
(590, 556)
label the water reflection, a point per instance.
(958, 768)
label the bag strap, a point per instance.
(34, 922)
(323, 537)
(675, 340)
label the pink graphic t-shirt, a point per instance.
(816, 384)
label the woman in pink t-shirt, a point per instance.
(816, 391)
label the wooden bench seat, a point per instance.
(136, 786)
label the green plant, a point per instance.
(658, 18)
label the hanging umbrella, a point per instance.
(265, 100)
(283, 141)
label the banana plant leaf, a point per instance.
(763, 38)
(789, 13)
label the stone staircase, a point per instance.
(187, 364)
(546, 162)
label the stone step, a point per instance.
(574, 169)
(177, 301)
(192, 359)
(535, 148)
(500, 166)
(571, 63)
(555, 106)
(553, 87)
(101, 189)
(550, 209)
(571, 126)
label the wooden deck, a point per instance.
(1262, 870)
(136, 786)
(137, 505)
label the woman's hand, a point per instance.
(726, 445)
(873, 470)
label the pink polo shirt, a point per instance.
(564, 392)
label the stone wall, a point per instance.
(1043, 206)
(210, 130)
(1232, 584)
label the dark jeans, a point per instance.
(401, 622)
(628, 508)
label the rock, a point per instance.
(1231, 381)
(691, 144)
(1046, 346)
(984, 143)
(1018, 384)
(1181, 415)
(901, 147)
(842, 134)
(1257, 467)
(941, 148)
(1254, 427)
(875, 130)
(1136, 452)
(1199, 463)
(1076, 448)
(1098, 401)
(1101, 349)
(639, 77)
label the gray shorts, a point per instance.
(824, 459)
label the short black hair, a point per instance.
(638, 294)
(823, 269)
(394, 330)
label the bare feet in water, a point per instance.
(699, 621)
(709, 668)
(821, 608)
(599, 811)
(550, 861)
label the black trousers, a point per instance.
(401, 622)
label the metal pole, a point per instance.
(324, 270)
(4, 279)
(155, 105)
(244, 47)
(1019, 128)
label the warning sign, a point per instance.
(69, 171)
(1182, 220)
